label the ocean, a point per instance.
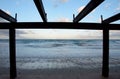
(58, 54)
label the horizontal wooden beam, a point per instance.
(90, 6)
(50, 25)
(58, 25)
(112, 19)
(6, 16)
(41, 10)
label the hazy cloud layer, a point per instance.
(65, 34)
(62, 34)
(58, 34)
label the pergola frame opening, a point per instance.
(105, 26)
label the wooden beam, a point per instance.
(12, 45)
(112, 19)
(7, 17)
(58, 25)
(105, 67)
(51, 25)
(105, 63)
(41, 10)
(90, 6)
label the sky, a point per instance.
(58, 11)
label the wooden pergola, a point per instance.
(105, 26)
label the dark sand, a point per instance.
(67, 73)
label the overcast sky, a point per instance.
(58, 11)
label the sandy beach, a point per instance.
(76, 68)
(72, 73)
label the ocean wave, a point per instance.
(37, 43)
(58, 43)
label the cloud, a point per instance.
(56, 3)
(6, 11)
(63, 19)
(80, 9)
(114, 34)
(60, 1)
(99, 20)
(25, 31)
(20, 33)
(3, 20)
(90, 34)
(17, 3)
(4, 34)
(63, 1)
(118, 8)
(108, 5)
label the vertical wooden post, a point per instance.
(73, 17)
(105, 63)
(12, 47)
(16, 17)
